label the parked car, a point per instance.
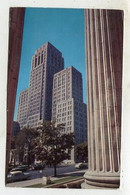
(20, 168)
(17, 176)
(67, 162)
(38, 166)
(81, 165)
(10, 167)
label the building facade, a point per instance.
(67, 104)
(15, 129)
(23, 108)
(46, 61)
(104, 51)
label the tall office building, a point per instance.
(67, 104)
(46, 61)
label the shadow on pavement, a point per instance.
(75, 174)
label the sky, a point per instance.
(63, 28)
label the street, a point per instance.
(36, 176)
(61, 170)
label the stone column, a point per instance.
(104, 43)
(15, 45)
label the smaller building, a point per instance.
(68, 107)
(23, 108)
(16, 128)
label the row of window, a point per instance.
(23, 99)
(39, 59)
(64, 104)
(62, 74)
(59, 89)
(23, 106)
(65, 113)
(23, 121)
(22, 115)
(64, 109)
(21, 110)
(64, 118)
(61, 80)
(33, 118)
(33, 94)
(58, 93)
(36, 81)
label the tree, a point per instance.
(81, 151)
(52, 144)
(13, 152)
(24, 141)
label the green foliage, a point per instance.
(13, 143)
(47, 143)
(81, 151)
(24, 139)
(25, 136)
(52, 144)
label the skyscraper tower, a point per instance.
(67, 104)
(46, 61)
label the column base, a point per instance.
(101, 180)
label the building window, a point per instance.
(35, 61)
(42, 58)
(59, 81)
(38, 60)
(55, 83)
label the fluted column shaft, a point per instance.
(104, 39)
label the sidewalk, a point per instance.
(39, 180)
(29, 182)
(25, 183)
